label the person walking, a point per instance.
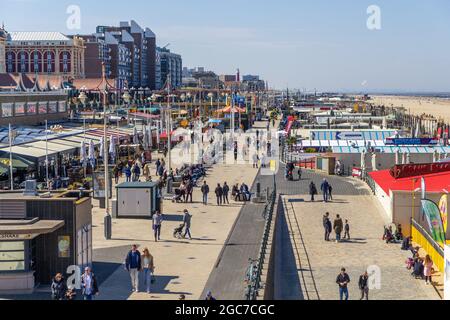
(226, 191)
(187, 224)
(327, 226)
(427, 269)
(338, 226)
(343, 280)
(219, 194)
(157, 222)
(127, 171)
(324, 187)
(364, 285)
(58, 287)
(312, 190)
(116, 173)
(89, 286)
(347, 230)
(189, 191)
(133, 265)
(299, 173)
(149, 269)
(205, 191)
(158, 164)
(136, 171)
(146, 172)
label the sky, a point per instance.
(307, 45)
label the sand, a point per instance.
(438, 107)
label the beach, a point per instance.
(439, 107)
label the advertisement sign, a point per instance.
(413, 170)
(411, 141)
(349, 135)
(433, 216)
(64, 247)
(98, 179)
(444, 211)
(357, 173)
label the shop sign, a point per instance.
(15, 236)
(411, 141)
(413, 170)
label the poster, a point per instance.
(64, 247)
(444, 211)
(98, 179)
(433, 216)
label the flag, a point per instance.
(444, 211)
(433, 215)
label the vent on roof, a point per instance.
(13, 209)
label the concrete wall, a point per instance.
(16, 283)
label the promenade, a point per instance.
(307, 266)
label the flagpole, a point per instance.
(46, 152)
(10, 159)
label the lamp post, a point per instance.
(211, 96)
(189, 96)
(127, 98)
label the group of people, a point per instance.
(326, 189)
(421, 268)
(338, 226)
(135, 263)
(133, 170)
(343, 280)
(222, 192)
(89, 287)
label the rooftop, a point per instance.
(37, 36)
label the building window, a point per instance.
(42, 108)
(20, 109)
(49, 62)
(36, 62)
(53, 107)
(64, 58)
(7, 110)
(10, 62)
(12, 256)
(31, 108)
(23, 62)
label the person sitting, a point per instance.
(388, 237)
(235, 192)
(399, 233)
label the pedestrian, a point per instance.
(327, 226)
(205, 191)
(427, 269)
(158, 164)
(330, 192)
(219, 194)
(189, 191)
(364, 286)
(347, 230)
(149, 268)
(226, 191)
(157, 222)
(312, 190)
(209, 296)
(338, 226)
(128, 173)
(58, 287)
(136, 171)
(255, 160)
(299, 173)
(116, 173)
(343, 280)
(187, 224)
(146, 172)
(89, 284)
(133, 265)
(325, 189)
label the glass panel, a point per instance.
(31, 108)
(62, 106)
(7, 110)
(12, 266)
(42, 108)
(20, 109)
(12, 246)
(52, 107)
(12, 256)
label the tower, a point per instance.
(3, 37)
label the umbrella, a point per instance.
(397, 156)
(158, 132)
(112, 147)
(363, 162)
(145, 138)
(405, 159)
(82, 152)
(135, 136)
(150, 137)
(408, 158)
(374, 162)
(102, 147)
(91, 153)
(418, 130)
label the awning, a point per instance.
(17, 162)
(28, 227)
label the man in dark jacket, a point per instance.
(205, 192)
(189, 191)
(89, 284)
(133, 265)
(364, 285)
(219, 194)
(343, 280)
(312, 190)
(338, 226)
(325, 187)
(226, 191)
(327, 226)
(187, 224)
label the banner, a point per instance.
(444, 211)
(433, 215)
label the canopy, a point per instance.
(230, 110)
(215, 121)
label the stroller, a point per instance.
(178, 232)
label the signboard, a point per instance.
(413, 170)
(98, 179)
(357, 172)
(64, 247)
(13, 237)
(410, 141)
(444, 212)
(349, 135)
(433, 216)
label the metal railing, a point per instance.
(254, 272)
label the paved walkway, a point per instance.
(308, 265)
(182, 266)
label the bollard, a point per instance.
(258, 190)
(108, 227)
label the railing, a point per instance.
(370, 182)
(423, 239)
(254, 272)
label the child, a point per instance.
(347, 230)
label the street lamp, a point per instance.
(127, 98)
(189, 96)
(211, 96)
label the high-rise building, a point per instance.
(171, 63)
(142, 45)
(50, 53)
(3, 36)
(96, 52)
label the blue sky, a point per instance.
(301, 44)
